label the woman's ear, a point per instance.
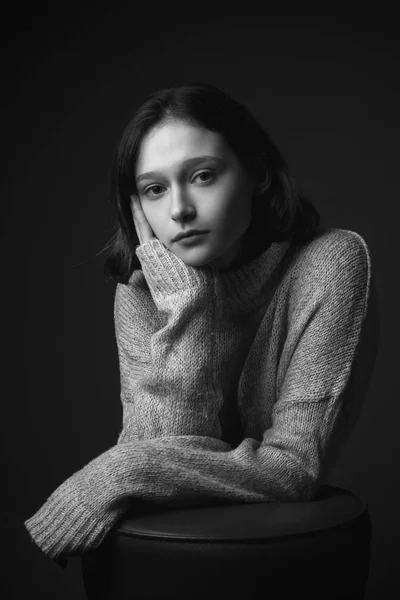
(263, 175)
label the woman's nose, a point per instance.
(181, 205)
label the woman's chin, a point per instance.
(201, 256)
(203, 260)
(193, 258)
(194, 263)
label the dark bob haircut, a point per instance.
(278, 212)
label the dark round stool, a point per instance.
(316, 549)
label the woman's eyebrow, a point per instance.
(185, 164)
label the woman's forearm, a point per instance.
(177, 393)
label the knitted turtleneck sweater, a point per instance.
(235, 385)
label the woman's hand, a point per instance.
(143, 229)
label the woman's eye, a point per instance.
(205, 176)
(153, 189)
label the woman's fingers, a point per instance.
(143, 229)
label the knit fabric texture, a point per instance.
(236, 385)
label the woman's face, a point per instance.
(189, 178)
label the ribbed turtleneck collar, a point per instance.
(245, 287)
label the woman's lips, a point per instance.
(191, 239)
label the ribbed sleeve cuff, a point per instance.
(64, 525)
(167, 274)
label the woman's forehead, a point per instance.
(175, 133)
(174, 143)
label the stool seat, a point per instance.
(318, 548)
(237, 523)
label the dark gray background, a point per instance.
(327, 90)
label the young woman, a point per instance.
(236, 345)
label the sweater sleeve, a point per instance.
(168, 383)
(191, 470)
